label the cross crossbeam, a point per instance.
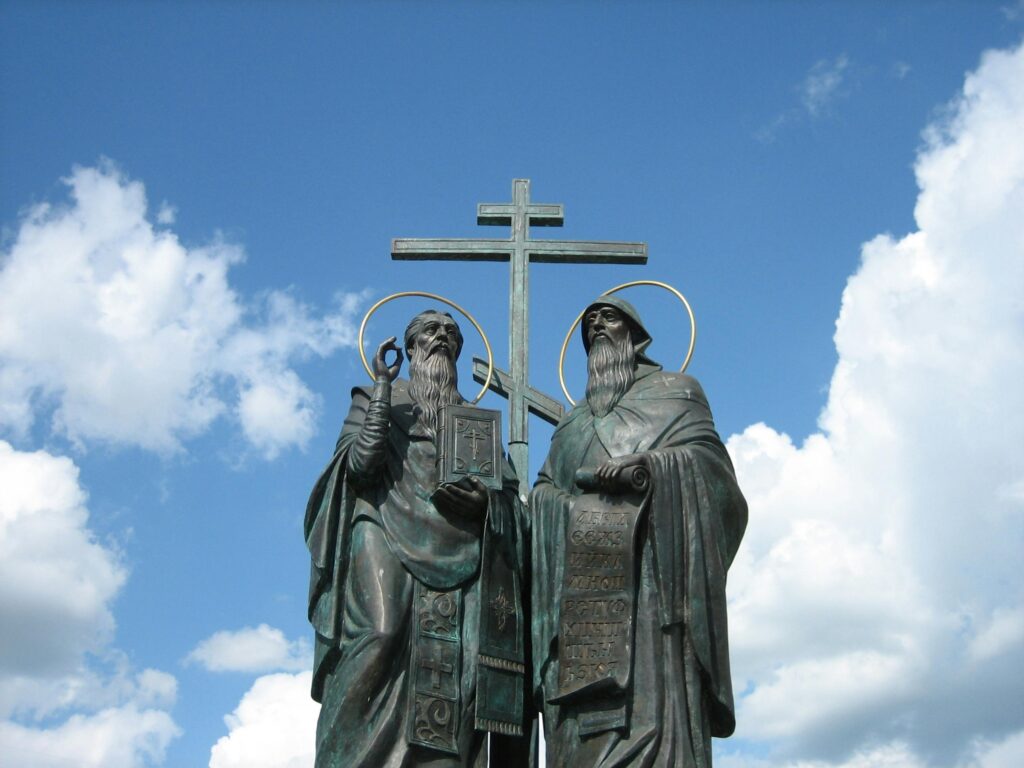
(539, 251)
(519, 250)
(503, 384)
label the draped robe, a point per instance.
(695, 516)
(369, 541)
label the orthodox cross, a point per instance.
(474, 438)
(519, 250)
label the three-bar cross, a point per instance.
(519, 250)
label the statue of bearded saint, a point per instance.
(630, 645)
(408, 666)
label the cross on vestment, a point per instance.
(519, 250)
(436, 668)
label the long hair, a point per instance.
(611, 368)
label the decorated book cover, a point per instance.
(469, 445)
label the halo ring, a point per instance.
(443, 300)
(616, 289)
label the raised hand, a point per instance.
(380, 365)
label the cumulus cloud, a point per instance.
(56, 580)
(876, 605)
(124, 737)
(57, 583)
(274, 726)
(252, 649)
(125, 335)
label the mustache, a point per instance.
(441, 346)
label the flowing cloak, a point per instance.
(438, 552)
(696, 517)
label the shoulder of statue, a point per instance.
(361, 392)
(579, 411)
(661, 383)
(399, 392)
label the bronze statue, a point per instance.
(636, 519)
(415, 591)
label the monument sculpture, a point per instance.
(444, 609)
(519, 250)
(416, 586)
(636, 519)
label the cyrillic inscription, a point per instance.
(598, 594)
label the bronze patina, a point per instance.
(416, 590)
(519, 250)
(636, 519)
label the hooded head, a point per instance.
(613, 328)
(638, 334)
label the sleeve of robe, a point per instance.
(698, 516)
(549, 509)
(328, 528)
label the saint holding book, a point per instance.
(415, 592)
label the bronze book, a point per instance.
(469, 445)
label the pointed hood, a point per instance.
(641, 338)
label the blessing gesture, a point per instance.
(381, 369)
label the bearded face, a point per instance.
(433, 343)
(611, 361)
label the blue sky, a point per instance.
(197, 202)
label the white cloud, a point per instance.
(822, 83)
(1009, 753)
(1013, 11)
(1004, 631)
(123, 737)
(276, 412)
(56, 580)
(166, 213)
(57, 583)
(131, 337)
(274, 726)
(252, 649)
(876, 604)
(817, 92)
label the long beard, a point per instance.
(610, 366)
(433, 382)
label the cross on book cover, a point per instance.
(469, 445)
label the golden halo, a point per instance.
(609, 292)
(435, 297)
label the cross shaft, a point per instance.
(519, 250)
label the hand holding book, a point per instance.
(466, 498)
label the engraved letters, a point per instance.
(598, 594)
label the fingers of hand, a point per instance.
(607, 471)
(462, 500)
